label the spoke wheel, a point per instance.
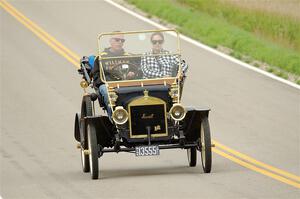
(86, 110)
(93, 151)
(192, 156)
(206, 156)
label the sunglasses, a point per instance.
(157, 41)
(119, 40)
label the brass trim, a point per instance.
(84, 84)
(135, 32)
(147, 100)
(86, 152)
(111, 91)
(135, 56)
(174, 93)
(145, 82)
(146, 93)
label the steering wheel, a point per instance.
(120, 71)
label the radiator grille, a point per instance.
(148, 115)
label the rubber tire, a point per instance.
(205, 139)
(192, 156)
(86, 110)
(93, 148)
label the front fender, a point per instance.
(192, 122)
(104, 129)
(77, 127)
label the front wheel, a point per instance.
(205, 145)
(93, 151)
(86, 110)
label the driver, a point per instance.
(115, 50)
(159, 62)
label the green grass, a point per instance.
(211, 28)
(276, 27)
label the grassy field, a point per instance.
(289, 8)
(275, 21)
(255, 31)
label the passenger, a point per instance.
(163, 64)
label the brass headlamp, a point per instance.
(177, 112)
(120, 115)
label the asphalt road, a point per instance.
(40, 94)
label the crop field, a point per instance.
(276, 20)
(288, 8)
(264, 33)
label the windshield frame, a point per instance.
(141, 82)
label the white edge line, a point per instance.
(187, 39)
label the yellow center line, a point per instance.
(74, 55)
(256, 162)
(44, 38)
(257, 169)
(74, 59)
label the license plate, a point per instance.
(147, 150)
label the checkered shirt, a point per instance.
(161, 65)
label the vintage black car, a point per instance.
(147, 114)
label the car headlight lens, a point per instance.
(120, 115)
(177, 112)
